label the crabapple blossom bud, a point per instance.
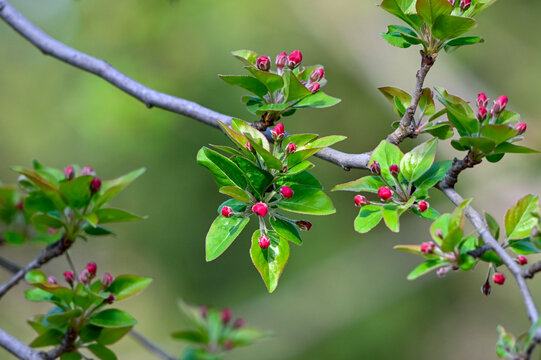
(521, 260)
(92, 268)
(106, 280)
(239, 323)
(394, 170)
(110, 299)
(385, 193)
(375, 168)
(486, 288)
(423, 206)
(95, 185)
(521, 128)
(313, 87)
(278, 132)
(291, 148)
(500, 104)
(465, 4)
(263, 63)
(442, 271)
(482, 113)
(427, 247)
(228, 345)
(499, 278)
(227, 211)
(20, 205)
(281, 60)
(294, 59)
(264, 242)
(248, 146)
(304, 225)
(452, 2)
(317, 75)
(226, 315)
(52, 280)
(438, 233)
(360, 200)
(286, 192)
(204, 311)
(482, 100)
(260, 209)
(69, 277)
(69, 172)
(84, 277)
(87, 170)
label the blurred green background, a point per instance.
(342, 295)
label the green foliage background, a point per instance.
(343, 296)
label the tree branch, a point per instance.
(50, 252)
(530, 272)
(17, 348)
(150, 346)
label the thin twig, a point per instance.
(9, 265)
(150, 346)
(530, 272)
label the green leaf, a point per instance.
(325, 141)
(270, 262)
(400, 8)
(307, 201)
(62, 319)
(102, 352)
(112, 318)
(386, 155)
(109, 336)
(482, 143)
(125, 286)
(390, 216)
(37, 295)
(498, 133)
(299, 168)
(434, 175)
(293, 88)
(259, 179)
(304, 179)
(47, 221)
(222, 233)
(109, 215)
(392, 94)
(396, 39)
(48, 338)
(493, 226)
(45, 185)
(77, 191)
(513, 149)
(431, 10)
(318, 100)
(520, 219)
(248, 57)
(190, 336)
(298, 139)
(430, 214)
(442, 131)
(74, 355)
(367, 183)
(523, 247)
(426, 102)
(419, 160)
(246, 129)
(453, 44)
(271, 81)
(35, 276)
(270, 160)
(448, 26)
(225, 172)
(286, 230)
(246, 82)
(426, 267)
(451, 240)
(111, 188)
(235, 193)
(369, 216)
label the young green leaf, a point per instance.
(102, 352)
(449, 27)
(369, 216)
(225, 172)
(125, 286)
(390, 216)
(307, 201)
(270, 262)
(318, 100)
(431, 10)
(426, 267)
(222, 233)
(520, 219)
(419, 160)
(246, 82)
(112, 318)
(367, 183)
(286, 230)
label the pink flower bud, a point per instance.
(92, 268)
(69, 172)
(375, 168)
(248, 146)
(486, 289)
(110, 299)
(385, 193)
(313, 87)
(227, 211)
(281, 60)
(522, 260)
(482, 113)
(465, 4)
(521, 128)
(317, 75)
(500, 104)
(438, 233)
(106, 280)
(286, 192)
(20, 205)
(69, 277)
(394, 170)
(423, 206)
(291, 148)
(87, 170)
(226, 315)
(264, 242)
(260, 209)
(84, 277)
(95, 185)
(52, 280)
(228, 345)
(427, 247)
(263, 63)
(499, 278)
(482, 100)
(294, 59)
(304, 225)
(442, 271)
(452, 2)
(278, 132)
(204, 311)
(360, 200)
(239, 323)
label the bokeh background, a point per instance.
(342, 295)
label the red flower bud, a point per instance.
(204, 311)
(385, 193)
(482, 113)
(317, 75)
(313, 87)
(521, 260)
(427, 247)
(69, 172)
(521, 128)
(482, 100)
(278, 132)
(286, 192)
(263, 63)
(248, 146)
(304, 225)
(239, 323)
(52, 280)
(87, 170)
(227, 211)
(394, 170)
(264, 242)
(106, 280)
(226, 315)
(281, 60)
(20, 205)
(95, 185)
(110, 299)
(360, 200)
(294, 59)
(500, 104)
(92, 268)
(228, 345)
(465, 4)
(69, 277)
(423, 206)
(291, 148)
(499, 278)
(260, 209)
(486, 289)
(375, 168)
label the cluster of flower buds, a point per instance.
(498, 107)
(86, 276)
(95, 184)
(465, 4)
(428, 247)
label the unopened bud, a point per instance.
(486, 289)
(52, 280)
(260, 209)
(452, 2)
(264, 242)
(110, 299)
(226, 315)
(239, 323)
(92, 268)
(95, 185)
(521, 260)
(521, 128)
(375, 168)
(394, 170)
(204, 311)
(84, 277)
(482, 100)
(360, 200)
(385, 193)
(263, 63)
(442, 271)
(87, 170)
(304, 225)
(248, 146)
(294, 59)
(313, 87)
(286, 192)
(500, 104)
(281, 60)
(227, 211)
(438, 233)
(499, 278)
(482, 113)
(278, 132)
(317, 75)
(69, 172)
(465, 4)
(228, 345)
(423, 206)
(106, 280)
(69, 277)
(291, 148)
(427, 247)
